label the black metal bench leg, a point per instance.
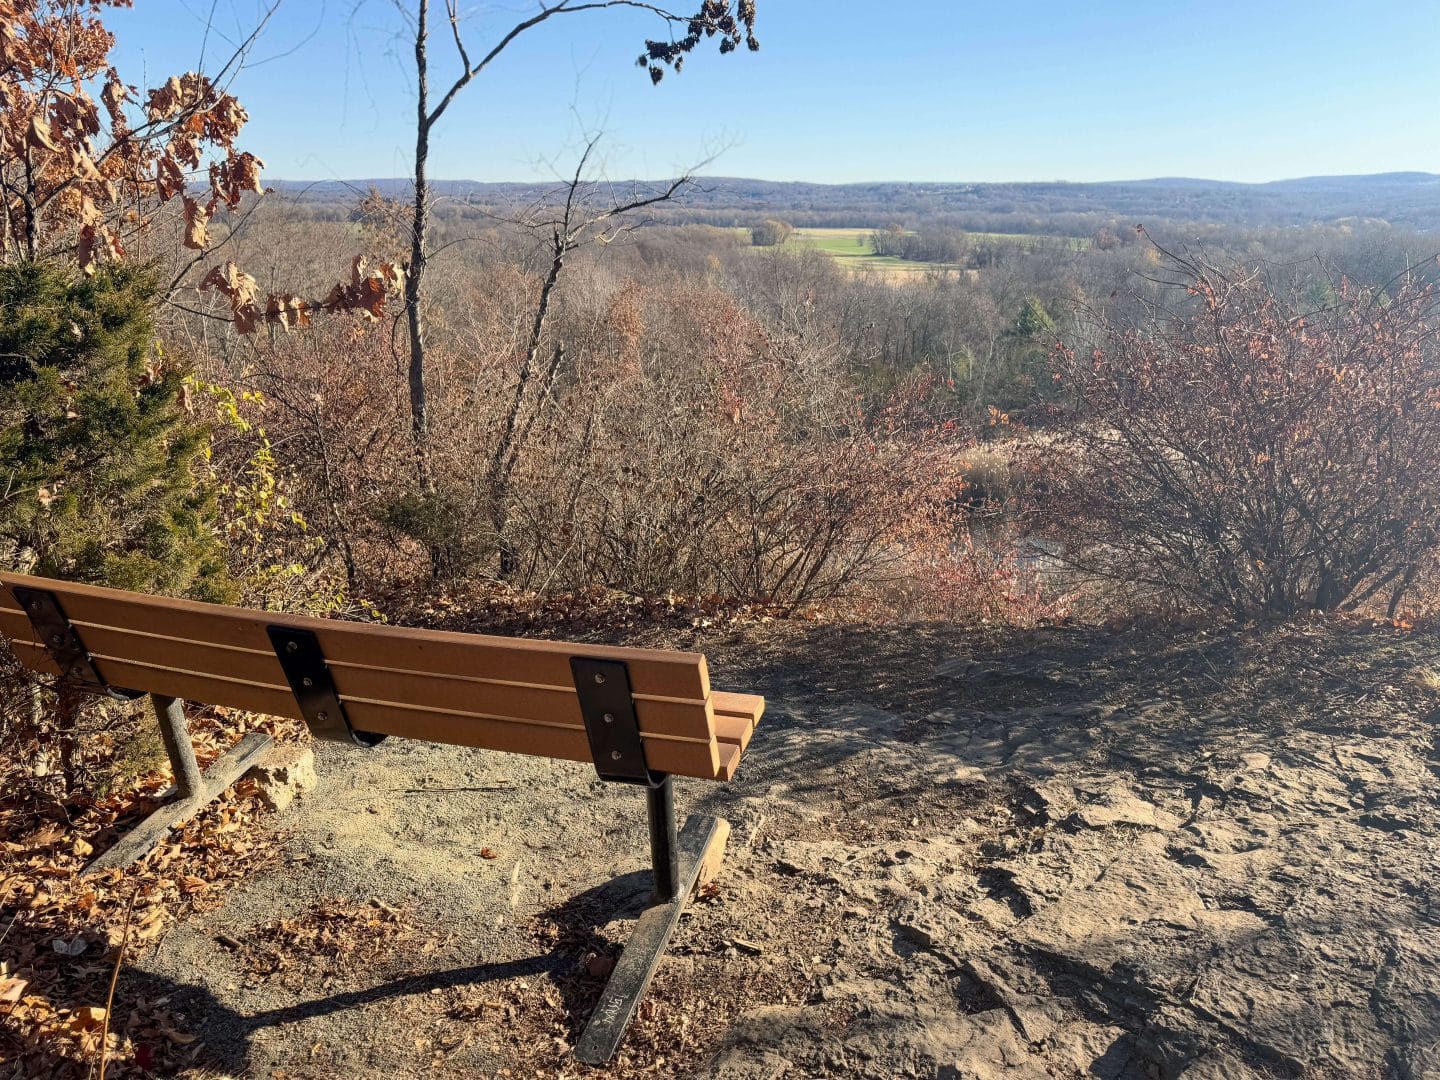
(678, 862)
(660, 804)
(195, 789)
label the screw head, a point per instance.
(322, 716)
(57, 639)
(307, 681)
(616, 755)
(609, 717)
(35, 605)
(77, 669)
(599, 676)
(292, 646)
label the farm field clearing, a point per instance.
(855, 250)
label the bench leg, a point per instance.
(678, 866)
(195, 789)
(664, 856)
(178, 747)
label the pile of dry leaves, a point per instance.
(328, 940)
(62, 936)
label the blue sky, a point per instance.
(846, 90)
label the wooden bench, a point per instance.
(640, 715)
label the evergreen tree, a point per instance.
(101, 465)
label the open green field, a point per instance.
(852, 247)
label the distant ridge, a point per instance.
(1409, 200)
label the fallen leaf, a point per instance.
(87, 1018)
(11, 989)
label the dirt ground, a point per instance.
(1056, 853)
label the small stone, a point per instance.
(286, 771)
(73, 947)
(965, 774)
(915, 931)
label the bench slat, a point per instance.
(453, 692)
(663, 755)
(33, 656)
(398, 681)
(751, 706)
(653, 673)
(729, 761)
(734, 730)
(681, 758)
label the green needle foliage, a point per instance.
(102, 473)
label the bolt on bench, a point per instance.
(641, 715)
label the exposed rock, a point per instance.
(1126, 810)
(286, 771)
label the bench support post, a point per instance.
(699, 846)
(196, 789)
(178, 747)
(618, 750)
(664, 856)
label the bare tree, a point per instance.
(731, 21)
(567, 228)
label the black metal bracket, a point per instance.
(304, 665)
(61, 639)
(603, 687)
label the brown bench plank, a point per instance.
(653, 673)
(750, 706)
(734, 730)
(663, 755)
(681, 758)
(729, 761)
(458, 692)
(425, 704)
(33, 656)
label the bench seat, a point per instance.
(494, 693)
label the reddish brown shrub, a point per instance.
(1247, 451)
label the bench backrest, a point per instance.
(495, 693)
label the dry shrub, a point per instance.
(334, 409)
(663, 441)
(1247, 451)
(694, 452)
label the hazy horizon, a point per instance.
(924, 181)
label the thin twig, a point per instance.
(115, 978)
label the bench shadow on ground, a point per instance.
(228, 1033)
